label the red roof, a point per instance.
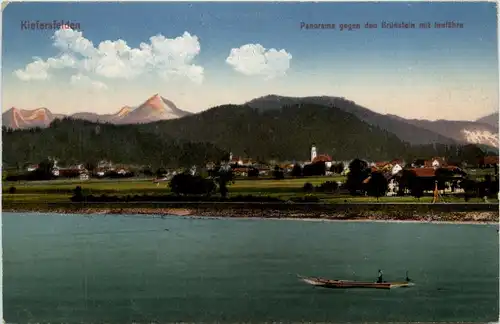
(381, 164)
(428, 163)
(322, 158)
(424, 172)
(492, 159)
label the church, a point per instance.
(321, 157)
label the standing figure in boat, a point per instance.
(380, 279)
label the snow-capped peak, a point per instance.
(481, 137)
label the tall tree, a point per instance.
(358, 172)
(378, 185)
(223, 177)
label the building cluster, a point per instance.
(392, 170)
(80, 170)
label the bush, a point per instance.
(337, 168)
(187, 184)
(297, 171)
(314, 169)
(30, 176)
(328, 186)
(470, 188)
(377, 185)
(278, 174)
(77, 194)
(253, 173)
(308, 187)
(15, 177)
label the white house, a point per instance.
(104, 164)
(235, 160)
(393, 188)
(436, 164)
(396, 168)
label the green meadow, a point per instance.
(61, 190)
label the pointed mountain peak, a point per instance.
(153, 109)
(155, 102)
(124, 111)
(156, 96)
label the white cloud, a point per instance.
(84, 81)
(115, 59)
(72, 41)
(62, 61)
(36, 70)
(254, 59)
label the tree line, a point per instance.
(194, 140)
(78, 141)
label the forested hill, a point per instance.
(80, 141)
(284, 134)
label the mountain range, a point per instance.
(490, 119)
(154, 109)
(414, 131)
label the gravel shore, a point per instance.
(386, 215)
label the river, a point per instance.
(137, 268)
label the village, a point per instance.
(319, 165)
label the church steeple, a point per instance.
(314, 152)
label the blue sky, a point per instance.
(415, 73)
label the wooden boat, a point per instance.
(326, 283)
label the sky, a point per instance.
(200, 55)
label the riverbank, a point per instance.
(456, 213)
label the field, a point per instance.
(62, 190)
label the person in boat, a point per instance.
(380, 278)
(407, 278)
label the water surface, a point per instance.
(118, 269)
